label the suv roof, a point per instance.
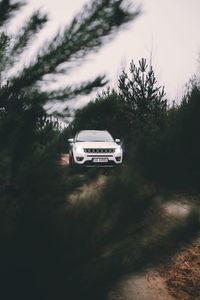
(87, 130)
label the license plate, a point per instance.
(100, 160)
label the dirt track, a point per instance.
(87, 191)
(182, 275)
(64, 161)
(155, 284)
(149, 286)
(179, 280)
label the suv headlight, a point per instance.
(79, 149)
(118, 150)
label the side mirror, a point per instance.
(71, 141)
(117, 141)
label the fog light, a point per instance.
(118, 158)
(79, 158)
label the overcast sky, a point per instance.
(167, 30)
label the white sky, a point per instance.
(169, 29)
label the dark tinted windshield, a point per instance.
(94, 136)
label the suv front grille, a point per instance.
(99, 150)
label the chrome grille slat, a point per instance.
(99, 150)
(99, 155)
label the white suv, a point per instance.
(95, 148)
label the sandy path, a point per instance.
(88, 191)
(64, 159)
(150, 286)
(182, 274)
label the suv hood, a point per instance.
(98, 145)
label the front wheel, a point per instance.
(71, 160)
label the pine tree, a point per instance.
(145, 100)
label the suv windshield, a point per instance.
(94, 136)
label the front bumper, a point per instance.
(98, 159)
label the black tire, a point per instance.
(71, 160)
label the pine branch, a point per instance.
(68, 93)
(7, 9)
(72, 92)
(27, 33)
(86, 33)
(4, 44)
